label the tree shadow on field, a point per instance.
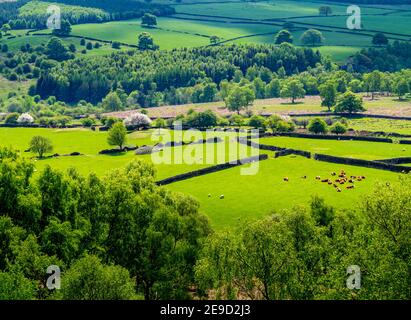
(292, 104)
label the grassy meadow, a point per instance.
(255, 196)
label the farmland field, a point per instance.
(253, 197)
(103, 184)
(244, 22)
(342, 148)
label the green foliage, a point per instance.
(89, 279)
(312, 37)
(149, 20)
(293, 89)
(239, 98)
(40, 145)
(338, 128)
(65, 29)
(14, 286)
(146, 42)
(328, 93)
(117, 135)
(283, 36)
(379, 39)
(56, 50)
(257, 122)
(112, 102)
(317, 126)
(204, 119)
(350, 103)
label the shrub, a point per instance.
(87, 122)
(12, 118)
(236, 120)
(257, 122)
(138, 120)
(317, 125)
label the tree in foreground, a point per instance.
(292, 89)
(40, 145)
(239, 98)
(89, 279)
(117, 135)
(317, 126)
(312, 37)
(283, 36)
(350, 103)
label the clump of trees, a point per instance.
(115, 237)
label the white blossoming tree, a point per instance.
(25, 118)
(137, 120)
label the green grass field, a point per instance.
(342, 148)
(386, 125)
(245, 196)
(89, 143)
(255, 196)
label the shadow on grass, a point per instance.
(292, 104)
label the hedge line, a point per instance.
(361, 163)
(405, 141)
(212, 169)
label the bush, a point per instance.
(204, 119)
(317, 126)
(236, 120)
(108, 122)
(87, 122)
(12, 118)
(257, 122)
(338, 128)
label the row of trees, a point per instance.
(161, 72)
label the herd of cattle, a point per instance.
(338, 182)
